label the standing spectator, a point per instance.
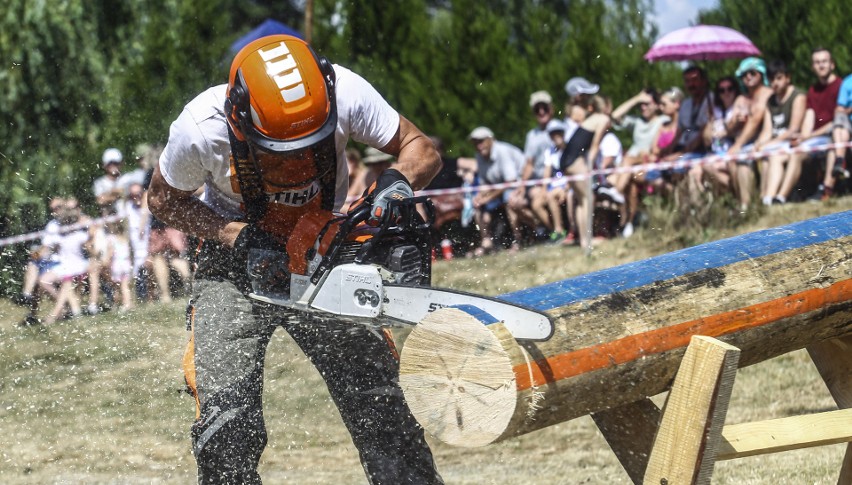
(750, 111)
(135, 213)
(106, 188)
(842, 127)
(496, 162)
(717, 134)
(146, 156)
(821, 106)
(785, 112)
(537, 144)
(119, 261)
(43, 258)
(73, 264)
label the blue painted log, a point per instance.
(620, 333)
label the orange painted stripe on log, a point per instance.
(630, 348)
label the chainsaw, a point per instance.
(381, 276)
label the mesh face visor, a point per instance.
(318, 147)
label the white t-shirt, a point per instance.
(610, 146)
(198, 151)
(72, 258)
(536, 146)
(504, 164)
(138, 231)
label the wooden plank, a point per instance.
(784, 434)
(685, 447)
(833, 359)
(629, 430)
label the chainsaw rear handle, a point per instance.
(409, 221)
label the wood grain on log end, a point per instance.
(456, 374)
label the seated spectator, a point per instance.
(719, 134)
(694, 115)
(497, 162)
(531, 200)
(821, 106)
(750, 109)
(785, 112)
(643, 129)
(356, 173)
(375, 162)
(663, 146)
(448, 229)
(841, 128)
(559, 193)
(43, 258)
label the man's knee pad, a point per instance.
(229, 437)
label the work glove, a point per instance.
(267, 263)
(391, 185)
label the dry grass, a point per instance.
(98, 400)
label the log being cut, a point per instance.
(620, 333)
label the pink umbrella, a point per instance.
(701, 42)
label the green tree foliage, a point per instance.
(788, 31)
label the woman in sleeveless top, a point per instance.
(663, 145)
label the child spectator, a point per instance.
(118, 259)
(42, 259)
(73, 264)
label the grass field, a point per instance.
(99, 399)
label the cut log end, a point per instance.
(457, 377)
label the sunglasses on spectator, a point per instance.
(726, 89)
(477, 141)
(749, 73)
(541, 108)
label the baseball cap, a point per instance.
(555, 125)
(373, 155)
(111, 155)
(540, 97)
(480, 133)
(580, 85)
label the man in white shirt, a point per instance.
(283, 120)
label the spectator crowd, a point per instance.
(752, 135)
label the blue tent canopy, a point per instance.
(268, 27)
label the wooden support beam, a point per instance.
(620, 334)
(686, 443)
(629, 430)
(784, 434)
(833, 359)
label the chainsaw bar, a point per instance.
(411, 304)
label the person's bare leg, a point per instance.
(30, 279)
(774, 176)
(160, 268)
(745, 183)
(539, 206)
(95, 269)
(791, 175)
(554, 204)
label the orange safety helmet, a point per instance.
(280, 94)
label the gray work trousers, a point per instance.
(230, 333)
